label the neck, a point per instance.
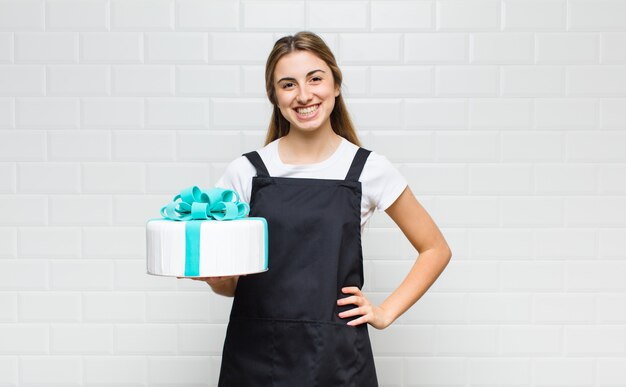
(299, 147)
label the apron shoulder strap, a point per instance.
(357, 164)
(255, 159)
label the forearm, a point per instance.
(426, 269)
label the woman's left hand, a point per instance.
(372, 314)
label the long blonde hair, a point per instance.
(306, 41)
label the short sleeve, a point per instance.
(382, 182)
(238, 176)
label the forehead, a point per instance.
(297, 64)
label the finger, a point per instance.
(350, 300)
(351, 289)
(354, 312)
(359, 321)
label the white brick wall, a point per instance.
(507, 117)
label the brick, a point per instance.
(22, 15)
(80, 210)
(561, 178)
(227, 113)
(394, 342)
(376, 113)
(178, 307)
(395, 81)
(402, 147)
(440, 113)
(600, 340)
(206, 15)
(81, 338)
(599, 211)
(469, 276)
(389, 370)
(48, 47)
(22, 80)
(502, 372)
(437, 308)
(106, 178)
(542, 15)
(531, 276)
(532, 146)
(78, 79)
(431, 370)
(500, 179)
(532, 81)
(477, 15)
(563, 371)
(115, 370)
(567, 48)
(275, 15)
(480, 81)
(49, 306)
(603, 15)
(107, 113)
(531, 340)
(611, 48)
(595, 276)
(501, 244)
(23, 274)
(178, 370)
(47, 113)
(134, 210)
(182, 47)
(466, 339)
(72, 15)
(239, 48)
(114, 242)
(142, 15)
(6, 47)
(24, 339)
(146, 80)
(8, 310)
(49, 242)
(501, 48)
(606, 311)
(610, 371)
(613, 113)
(556, 113)
(169, 178)
(146, 339)
(466, 211)
(51, 371)
(604, 81)
(111, 47)
(611, 243)
(382, 243)
(500, 113)
(8, 242)
(81, 275)
(596, 146)
(49, 178)
(7, 115)
(436, 48)
(82, 145)
(7, 178)
(9, 371)
(564, 308)
(532, 211)
(144, 146)
(388, 274)
(565, 244)
(131, 275)
(201, 339)
(402, 15)
(498, 308)
(114, 307)
(337, 15)
(466, 147)
(178, 113)
(436, 179)
(196, 80)
(374, 48)
(28, 210)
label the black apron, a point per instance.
(284, 330)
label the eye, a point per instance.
(285, 85)
(318, 78)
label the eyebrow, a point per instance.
(293, 79)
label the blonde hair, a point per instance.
(306, 41)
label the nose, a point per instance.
(304, 95)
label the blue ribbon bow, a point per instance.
(196, 206)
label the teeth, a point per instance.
(308, 110)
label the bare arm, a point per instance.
(434, 255)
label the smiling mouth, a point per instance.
(308, 110)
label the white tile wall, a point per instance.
(507, 117)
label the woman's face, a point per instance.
(302, 80)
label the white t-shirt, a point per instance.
(381, 182)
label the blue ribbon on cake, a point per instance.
(194, 206)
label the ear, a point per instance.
(337, 92)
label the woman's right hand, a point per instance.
(224, 285)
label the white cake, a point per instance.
(206, 248)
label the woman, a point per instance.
(304, 321)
